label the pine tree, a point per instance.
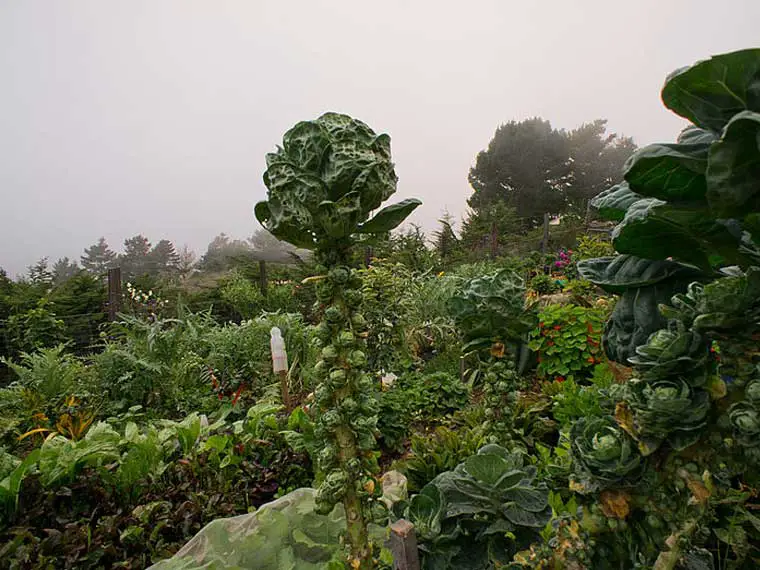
(135, 259)
(63, 270)
(163, 258)
(39, 273)
(98, 258)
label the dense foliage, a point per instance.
(592, 406)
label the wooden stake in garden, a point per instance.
(114, 292)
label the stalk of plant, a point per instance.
(323, 183)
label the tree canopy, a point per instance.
(536, 169)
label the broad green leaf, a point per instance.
(672, 172)
(620, 273)
(711, 92)
(11, 484)
(520, 516)
(486, 468)
(733, 175)
(528, 498)
(654, 229)
(389, 217)
(613, 202)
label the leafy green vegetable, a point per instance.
(615, 201)
(485, 509)
(603, 454)
(668, 409)
(711, 92)
(734, 168)
(491, 309)
(672, 172)
(325, 180)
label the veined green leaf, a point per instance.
(672, 172)
(389, 217)
(711, 92)
(733, 174)
(614, 202)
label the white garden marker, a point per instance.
(280, 363)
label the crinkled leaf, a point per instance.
(306, 145)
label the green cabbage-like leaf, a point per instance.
(733, 175)
(603, 454)
(491, 308)
(325, 180)
(614, 202)
(671, 351)
(745, 422)
(672, 172)
(711, 92)
(389, 217)
(657, 230)
(487, 496)
(667, 410)
(644, 285)
(623, 272)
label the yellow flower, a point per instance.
(441, 274)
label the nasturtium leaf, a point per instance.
(733, 173)
(389, 217)
(672, 172)
(613, 202)
(711, 92)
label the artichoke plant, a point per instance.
(323, 183)
(603, 454)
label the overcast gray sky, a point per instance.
(153, 116)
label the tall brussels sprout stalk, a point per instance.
(323, 183)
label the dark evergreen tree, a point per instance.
(98, 258)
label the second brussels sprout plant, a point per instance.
(323, 183)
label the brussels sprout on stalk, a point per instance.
(323, 183)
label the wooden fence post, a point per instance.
(114, 292)
(545, 240)
(494, 240)
(263, 277)
(404, 546)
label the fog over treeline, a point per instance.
(153, 118)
